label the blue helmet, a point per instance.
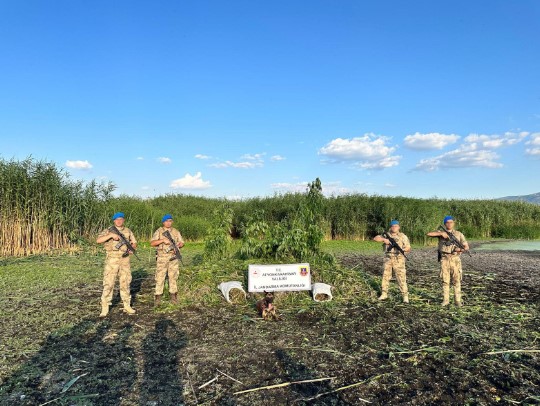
(118, 215)
(394, 223)
(447, 218)
(166, 217)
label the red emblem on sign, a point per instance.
(303, 271)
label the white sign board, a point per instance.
(279, 278)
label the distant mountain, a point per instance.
(534, 198)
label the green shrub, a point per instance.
(218, 241)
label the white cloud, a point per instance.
(140, 158)
(429, 141)
(533, 152)
(534, 142)
(277, 158)
(369, 151)
(145, 187)
(164, 160)
(464, 157)
(290, 187)
(535, 139)
(84, 165)
(389, 185)
(477, 150)
(190, 182)
(387, 162)
(495, 141)
(328, 188)
(240, 165)
(249, 161)
(254, 157)
(201, 156)
(334, 188)
(234, 197)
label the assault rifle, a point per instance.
(177, 253)
(393, 244)
(123, 241)
(452, 238)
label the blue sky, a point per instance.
(246, 98)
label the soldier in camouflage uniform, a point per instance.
(451, 272)
(167, 263)
(395, 261)
(116, 263)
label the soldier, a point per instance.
(116, 262)
(167, 263)
(394, 260)
(449, 255)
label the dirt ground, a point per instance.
(417, 354)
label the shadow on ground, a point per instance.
(93, 363)
(88, 364)
(162, 384)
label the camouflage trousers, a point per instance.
(166, 267)
(451, 274)
(114, 266)
(397, 264)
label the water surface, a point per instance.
(517, 245)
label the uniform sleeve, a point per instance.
(132, 238)
(462, 239)
(155, 236)
(180, 239)
(103, 233)
(406, 243)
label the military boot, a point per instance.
(405, 298)
(457, 298)
(174, 298)
(157, 300)
(104, 309)
(383, 296)
(446, 295)
(128, 309)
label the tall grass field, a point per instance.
(42, 209)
